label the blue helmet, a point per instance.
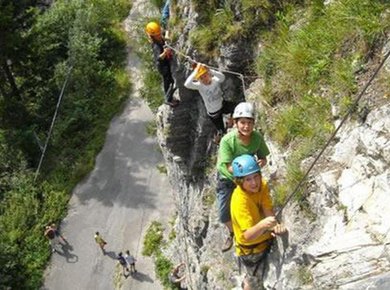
(245, 165)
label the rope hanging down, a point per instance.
(294, 192)
(52, 122)
(240, 75)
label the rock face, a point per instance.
(345, 246)
(185, 136)
(341, 242)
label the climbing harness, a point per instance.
(52, 122)
(247, 261)
(294, 192)
(252, 247)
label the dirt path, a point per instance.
(119, 198)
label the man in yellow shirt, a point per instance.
(253, 218)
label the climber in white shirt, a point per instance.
(208, 83)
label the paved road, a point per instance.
(119, 198)
(123, 193)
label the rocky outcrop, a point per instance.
(339, 241)
(185, 136)
(344, 244)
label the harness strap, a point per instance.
(254, 246)
(261, 260)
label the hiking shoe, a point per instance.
(228, 244)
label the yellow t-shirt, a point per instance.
(247, 210)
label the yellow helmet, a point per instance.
(201, 71)
(153, 29)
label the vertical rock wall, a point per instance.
(340, 243)
(343, 242)
(185, 136)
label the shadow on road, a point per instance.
(111, 254)
(121, 166)
(65, 252)
(139, 276)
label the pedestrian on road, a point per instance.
(123, 263)
(130, 260)
(51, 236)
(58, 234)
(101, 242)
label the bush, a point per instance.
(209, 37)
(153, 239)
(306, 119)
(163, 268)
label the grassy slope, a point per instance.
(312, 58)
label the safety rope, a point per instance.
(351, 109)
(239, 75)
(53, 121)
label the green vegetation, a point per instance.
(172, 233)
(163, 267)
(226, 21)
(208, 197)
(36, 56)
(204, 269)
(153, 239)
(217, 30)
(153, 243)
(158, 3)
(325, 50)
(151, 128)
(162, 168)
(311, 57)
(304, 275)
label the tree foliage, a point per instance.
(39, 46)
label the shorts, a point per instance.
(225, 189)
(253, 265)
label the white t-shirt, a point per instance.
(212, 94)
(129, 259)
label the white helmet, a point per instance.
(244, 110)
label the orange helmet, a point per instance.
(201, 71)
(153, 29)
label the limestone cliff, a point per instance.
(340, 244)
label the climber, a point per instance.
(162, 57)
(208, 83)
(175, 278)
(165, 13)
(253, 219)
(241, 140)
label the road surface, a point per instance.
(121, 196)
